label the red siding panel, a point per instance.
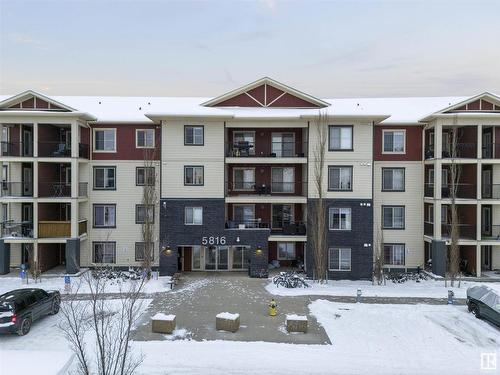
(413, 143)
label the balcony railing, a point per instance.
(294, 229)
(54, 189)
(277, 187)
(54, 229)
(10, 228)
(491, 151)
(16, 189)
(491, 191)
(428, 228)
(270, 149)
(464, 191)
(16, 149)
(428, 190)
(463, 150)
(54, 149)
(83, 189)
(466, 231)
(246, 224)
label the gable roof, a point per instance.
(266, 92)
(484, 102)
(16, 102)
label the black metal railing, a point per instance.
(428, 228)
(276, 187)
(462, 150)
(429, 152)
(428, 189)
(247, 224)
(16, 149)
(466, 231)
(492, 234)
(491, 150)
(298, 228)
(10, 228)
(54, 189)
(268, 149)
(54, 149)
(16, 189)
(464, 191)
(491, 191)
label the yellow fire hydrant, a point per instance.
(273, 308)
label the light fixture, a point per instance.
(258, 251)
(238, 239)
(167, 250)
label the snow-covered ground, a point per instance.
(57, 283)
(425, 288)
(366, 339)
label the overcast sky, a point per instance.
(204, 48)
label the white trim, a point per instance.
(340, 250)
(193, 207)
(330, 216)
(94, 139)
(383, 142)
(136, 138)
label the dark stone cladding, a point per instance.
(361, 233)
(174, 233)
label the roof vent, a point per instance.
(149, 103)
(99, 102)
(140, 108)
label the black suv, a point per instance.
(21, 307)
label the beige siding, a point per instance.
(126, 196)
(495, 257)
(412, 199)
(175, 155)
(360, 159)
(15, 254)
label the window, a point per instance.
(145, 138)
(393, 179)
(139, 251)
(283, 145)
(340, 138)
(193, 175)
(104, 252)
(339, 259)
(141, 210)
(104, 178)
(194, 135)
(243, 178)
(394, 254)
(104, 215)
(340, 218)
(244, 214)
(105, 140)
(145, 176)
(394, 141)
(193, 215)
(339, 178)
(286, 251)
(282, 215)
(283, 180)
(393, 217)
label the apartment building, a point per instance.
(235, 179)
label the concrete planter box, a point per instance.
(161, 323)
(227, 322)
(296, 323)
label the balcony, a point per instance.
(16, 149)
(293, 229)
(16, 189)
(284, 149)
(61, 150)
(54, 189)
(13, 229)
(273, 188)
(428, 228)
(463, 191)
(247, 224)
(492, 235)
(59, 229)
(466, 231)
(491, 151)
(429, 190)
(491, 191)
(463, 151)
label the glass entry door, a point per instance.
(210, 258)
(222, 258)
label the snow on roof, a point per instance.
(121, 109)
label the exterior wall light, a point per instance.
(258, 251)
(166, 250)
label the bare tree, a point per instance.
(103, 324)
(149, 198)
(317, 220)
(378, 257)
(454, 178)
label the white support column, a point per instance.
(35, 179)
(35, 219)
(35, 139)
(479, 180)
(35, 254)
(480, 141)
(478, 260)
(75, 135)
(478, 222)
(437, 219)
(74, 218)
(438, 141)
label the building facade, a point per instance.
(236, 181)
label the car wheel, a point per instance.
(56, 303)
(476, 312)
(25, 327)
(470, 306)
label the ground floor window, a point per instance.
(394, 254)
(219, 258)
(104, 252)
(286, 251)
(240, 256)
(339, 259)
(139, 251)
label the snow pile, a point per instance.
(296, 317)
(38, 362)
(161, 316)
(227, 316)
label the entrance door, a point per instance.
(217, 258)
(27, 219)
(222, 258)
(240, 257)
(487, 145)
(27, 142)
(486, 258)
(210, 258)
(27, 181)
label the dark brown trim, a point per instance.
(93, 251)
(93, 215)
(93, 177)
